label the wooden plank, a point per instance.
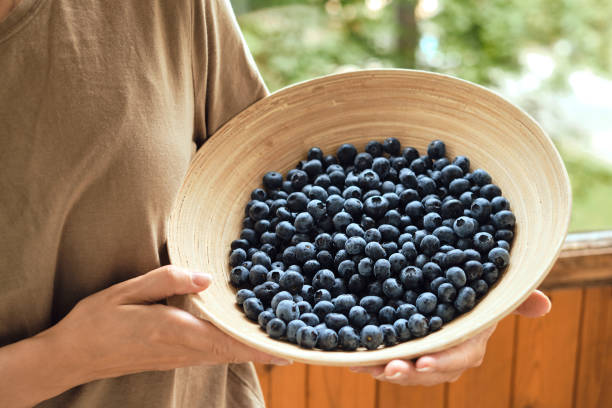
(488, 385)
(593, 380)
(393, 396)
(546, 354)
(333, 387)
(288, 386)
(263, 374)
(585, 260)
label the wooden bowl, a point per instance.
(413, 106)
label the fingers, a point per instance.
(466, 355)
(403, 372)
(159, 284)
(536, 305)
(215, 345)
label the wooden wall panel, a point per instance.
(488, 385)
(546, 354)
(594, 371)
(288, 386)
(333, 387)
(263, 373)
(393, 396)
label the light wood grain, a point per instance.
(288, 386)
(393, 396)
(333, 387)
(413, 106)
(490, 384)
(546, 354)
(594, 371)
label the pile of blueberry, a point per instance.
(369, 249)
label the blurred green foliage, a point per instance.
(483, 41)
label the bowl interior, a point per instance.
(357, 107)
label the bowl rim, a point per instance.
(196, 305)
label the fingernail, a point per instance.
(394, 376)
(424, 369)
(282, 362)
(201, 279)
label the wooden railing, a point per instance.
(561, 360)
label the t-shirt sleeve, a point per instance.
(226, 80)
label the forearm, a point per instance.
(36, 369)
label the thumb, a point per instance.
(536, 305)
(161, 283)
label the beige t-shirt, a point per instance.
(102, 106)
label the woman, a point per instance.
(102, 106)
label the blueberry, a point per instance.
(429, 244)
(445, 311)
(417, 323)
(458, 187)
(490, 273)
(504, 234)
(480, 287)
(322, 294)
(310, 319)
(276, 328)
(403, 238)
(323, 181)
(456, 276)
(341, 255)
(411, 277)
(315, 153)
(499, 203)
(335, 321)
(375, 289)
(402, 330)
(346, 154)
(292, 282)
(323, 241)
(426, 302)
(467, 198)
(436, 149)
(398, 262)
(464, 227)
(389, 334)
(243, 294)
(365, 267)
(435, 323)
(334, 204)
(409, 251)
(386, 314)
(451, 208)
(472, 255)
(304, 251)
(371, 337)
(481, 177)
(499, 256)
(258, 274)
(285, 230)
(446, 235)
(418, 166)
(346, 268)
(503, 244)
(466, 299)
(356, 283)
(239, 276)
(240, 243)
(325, 259)
(322, 308)
(367, 222)
(328, 339)
(287, 310)
(415, 210)
(374, 250)
(307, 337)
(447, 293)
(363, 161)
(355, 245)
(354, 207)
(381, 166)
(299, 179)
(392, 146)
(261, 258)
(376, 207)
(483, 242)
(481, 209)
(289, 257)
(303, 305)
(348, 338)
(313, 168)
(358, 316)
(266, 291)
(392, 217)
(463, 162)
(264, 317)
(473, 269)
(388, 187)
(343, 303)
(341, 220)
(382, 269)
(269, 238)
(252, 307)
(450, 173)
(303, 222)
(388, 232)
(504, 220)
(490, 191)
(431, 221)
(372, 304)
(273, 180)
(237, 256)
(431, 271)
(284, 295)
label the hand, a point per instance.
(120, 330)
(448, 365)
